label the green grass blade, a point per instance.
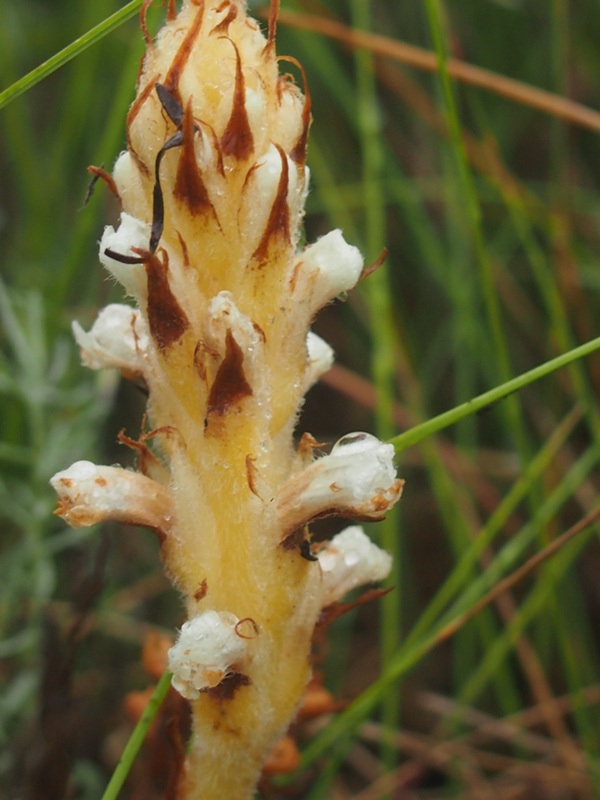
(420, 432)
(137, 738)
(69, 53)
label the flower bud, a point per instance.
(117, 339)
(131, 233)
(207, 650)
(320, 359)
(350, 560)
(328, 268)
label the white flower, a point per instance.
(329, 267)
(357, 480)
(349, 560)
(116, 339)
(88, 494)
(320, 359)
(131, 233)
(207, 650)
(130, 186)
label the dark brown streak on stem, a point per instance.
(278, 224)
(237, 139)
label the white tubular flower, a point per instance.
(130, 186)
(117, 339)
(356, 480)
(208, 649)
(212, 189)
(331, 266)
(350, 560)
(130, 233)
(320, 359)
(88, 494)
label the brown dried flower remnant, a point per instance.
(212, 186)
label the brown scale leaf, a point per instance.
(230, 386)
(189, 185)
(223, 26)
(237, 139)
(166, 318)
(298, 151)
(179, 63)
(278, 224)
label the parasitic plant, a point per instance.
(212, 187)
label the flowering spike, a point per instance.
(213, 185)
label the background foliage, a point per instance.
(489, 209)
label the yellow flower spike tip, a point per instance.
(212, 186)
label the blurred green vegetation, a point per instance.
(490, 211)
